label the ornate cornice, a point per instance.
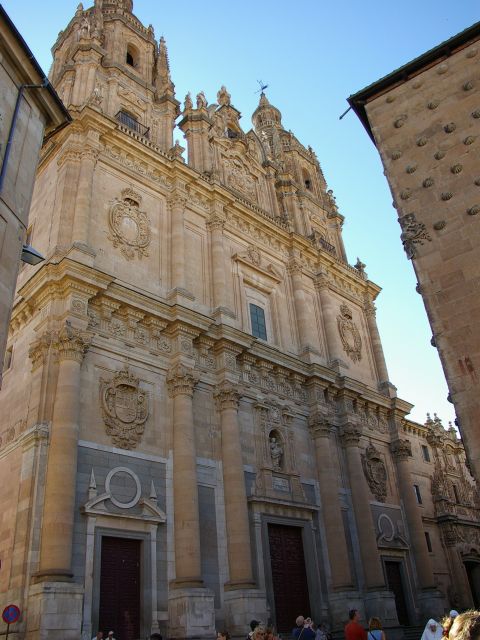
(181, 380)
(401, 449)
(227, 396)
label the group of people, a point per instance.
(455, 626)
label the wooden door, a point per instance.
(289, 577)
(395, 584)
(120, 588)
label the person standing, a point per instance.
(375, 631)
(99, 636)
(432, 631)
(353, 629)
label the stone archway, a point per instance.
(471, 562)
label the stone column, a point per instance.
(83, 202)
(243, 602)
(191, 608)
(59, 499)
(215, 225)
(377, 348)
(401, 452)
(429, 601)
(372, 566)
(236, 511)
(304, 321)
(335, 533)
(329, 318)
(176, 206)
(181, 383)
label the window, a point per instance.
(428, 541)
(131, 57)
(7, 360)
(418, 495)
(131, 122)
(257, 317)
(426, 453)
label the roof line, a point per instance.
(444, 50)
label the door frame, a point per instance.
(310, 557)
(145, 573)
(406, 583)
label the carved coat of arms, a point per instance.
(349, 334)
(124, 409)
(375, 472)
(129, 227)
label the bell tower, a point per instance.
(107, 59)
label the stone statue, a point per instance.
(223, 97)
(276, 453)
(188, 104)
(85, 28)
(201, 101)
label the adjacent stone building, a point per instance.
(29, 108)
(198, 428)
(425, 121)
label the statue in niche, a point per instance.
(276, 453)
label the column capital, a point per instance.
(351, 434)
(71, 343)
(227, 396)
(319, 426)
(401, 449)
(294, 267)
(215, 222)
(39, 349)
(176, 200)
(181, 380)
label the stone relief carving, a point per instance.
(413, 233)
(129, 227)
(349, 334)
(124, 408)
(375, 472)
(239, 178)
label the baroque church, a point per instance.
(197, 424)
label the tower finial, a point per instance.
(163, 82)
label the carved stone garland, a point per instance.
(349, 334)
(124, 408)
(129, 227)
(375, 472)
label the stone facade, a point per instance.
(425, 121)
(29, 107)
(200, 380)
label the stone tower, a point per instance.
(198, 420)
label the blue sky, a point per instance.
(313, 54)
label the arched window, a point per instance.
(131, 57)
(306, 180)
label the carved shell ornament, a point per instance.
(129, 227)
(124, 408)
(349, 334)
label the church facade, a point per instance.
(197, 423)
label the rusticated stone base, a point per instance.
(191, 613)
(241, 606)
(55, 611)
